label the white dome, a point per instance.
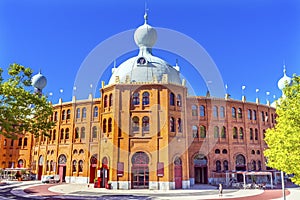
(39, 81)
(145, 36)
(285, 80)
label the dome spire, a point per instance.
(146, 13)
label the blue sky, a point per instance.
(248, 40)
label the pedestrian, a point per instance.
(220, 189)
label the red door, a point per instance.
(178, 176)
(92, 174)
(40, 172)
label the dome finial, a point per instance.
(146, 13)
(284, 70)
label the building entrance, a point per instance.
(140, 171)
(200, 169)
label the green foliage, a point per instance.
(284, 139)
(21, 110)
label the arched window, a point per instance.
(145, 125)
(25, 142)
(55, 116)
(95, 111)
(109, 125)
(47, 165)
(77, 113)
(250, 114)
(240, 113)
(217, 151)
(146, 96)
(223, 132)
(251, 133)
(240, 160)
(241, 133)
(202, 111)
(218, 166)
(172, 124)
(254, 115)
(222, 112)
(104, 126)
(235, 133)
(262, 116)
(216, 132)
(51, 165)
(252, 152)
(135, 124)
(81, 151)
(195, 131)
(136, 98)
(54, 135)
(63, 115)
(76, 133)
(172, 99)
(82, 134)
(256, 134)
(67, 135)
(94, 133)
(105, 101)
(110, 100)
(253, 165)
(215, 112)
(84, 113)
(68, 114)
(225, 165)
(202, 132)
(62, 132)
(80, 166)
(75, 151)
(179, 123)
(74, 165)
(224, 151)
(20, 142)
(179, 100)
(258, 152)
(259, 165)
(233, 112)
(194, 110)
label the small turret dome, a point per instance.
(285, 80)
(39, 81)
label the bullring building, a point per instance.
(146, 131)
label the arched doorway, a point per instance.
(20, 163)
(240, 165)
(200, 169)
(104, 172)
(93, 167)
(62, 168)
(40, 168)
(178, 173)
(140, 171)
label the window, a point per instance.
(215, 112)
(240, 113)
(172, 124)
(54, 135)
(146, 98)
(253, 165)
(145, 123)
(241, 133)
(172, 99)
(179, 125)
(224, 151)
(225, 165)
(95, 111)
(110, 100)
(25, 142)
(76, 133)
(202, 111)
(55, 116)
(258, 152)
(83, 113)
(81, 151)
(194, 110)
(217, 151)
(82, 134)
(262, 116)
(67, 135)
(256, 134)
(253, 152)
(109, 125)
(94, 133)
(68, 114)
(251, 134)
(195, 131)
(136, 98)
(74, 165)
(259, 165)
(254, 114)
(51, 165)
(77, 113)
(63, 115)
(216, 132)
(105, 101)
(20, 142)
(104, 126)
(62, 132)
(233, 112)
(234, 132)
(80, 166)
(223, 132)
(250, 114)
(218, 166)
(222, 112)
(202, 132)
(47, 165)
(178, 100)
(4, 142)
(135, 124)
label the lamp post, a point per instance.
(282, 185)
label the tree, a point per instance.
(22, 110)
(283, 140)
